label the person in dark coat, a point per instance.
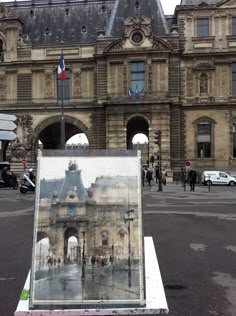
(149, 177)
(192, 179)
(143, 176)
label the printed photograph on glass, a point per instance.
(88, 240)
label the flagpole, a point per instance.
(62, 125)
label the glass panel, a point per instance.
(87, 185)
(204, 150)
(202, 27)
(204, 128)
(137, 77)
(66, 87)
(71, 211)
(233, 25)
(223, 175)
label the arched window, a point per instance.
(204, 142)
(104, 239)
(234, 140)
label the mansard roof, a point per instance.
(197, 2)
(72, 21)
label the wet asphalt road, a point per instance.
(194, 236)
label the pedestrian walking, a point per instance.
(143, 177)
(149, 177)
(192, 179)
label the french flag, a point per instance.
(61, 70)
(130, 93)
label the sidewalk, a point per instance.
(176, 188)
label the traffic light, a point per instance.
(157, 137)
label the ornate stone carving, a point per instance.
(77, 91)
(117, 47)
(203, 67)
(137, 22)
(160, 45)
(23, 142)
(48, 86)
(3, 87)
(5, 12)
(23, 39)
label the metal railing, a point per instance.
(50, 102)
(139, 96)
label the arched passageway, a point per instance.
(138, 125)
(71, 245)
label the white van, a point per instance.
(217, 177)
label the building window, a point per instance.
(202, 27)
(66, 87)
(137, 77)
(234, 25)
(234, 140)
(204, 140)
(104, 239)
(234, 79)
(71, 211)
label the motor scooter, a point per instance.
(26, 184)
(8, 181)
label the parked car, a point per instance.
(217, 177)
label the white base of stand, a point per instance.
(155, 295)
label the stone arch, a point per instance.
(204, 119)
(55, 119)
(135, 124)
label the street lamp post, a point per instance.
(83, 256)
(128, 218)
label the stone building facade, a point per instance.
(130, 69)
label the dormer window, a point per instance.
(83, 29)
(137, 5)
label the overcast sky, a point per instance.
(169, 5)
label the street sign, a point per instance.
(7, 125)
(7, 117)
(188, 164)
(7, 135)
